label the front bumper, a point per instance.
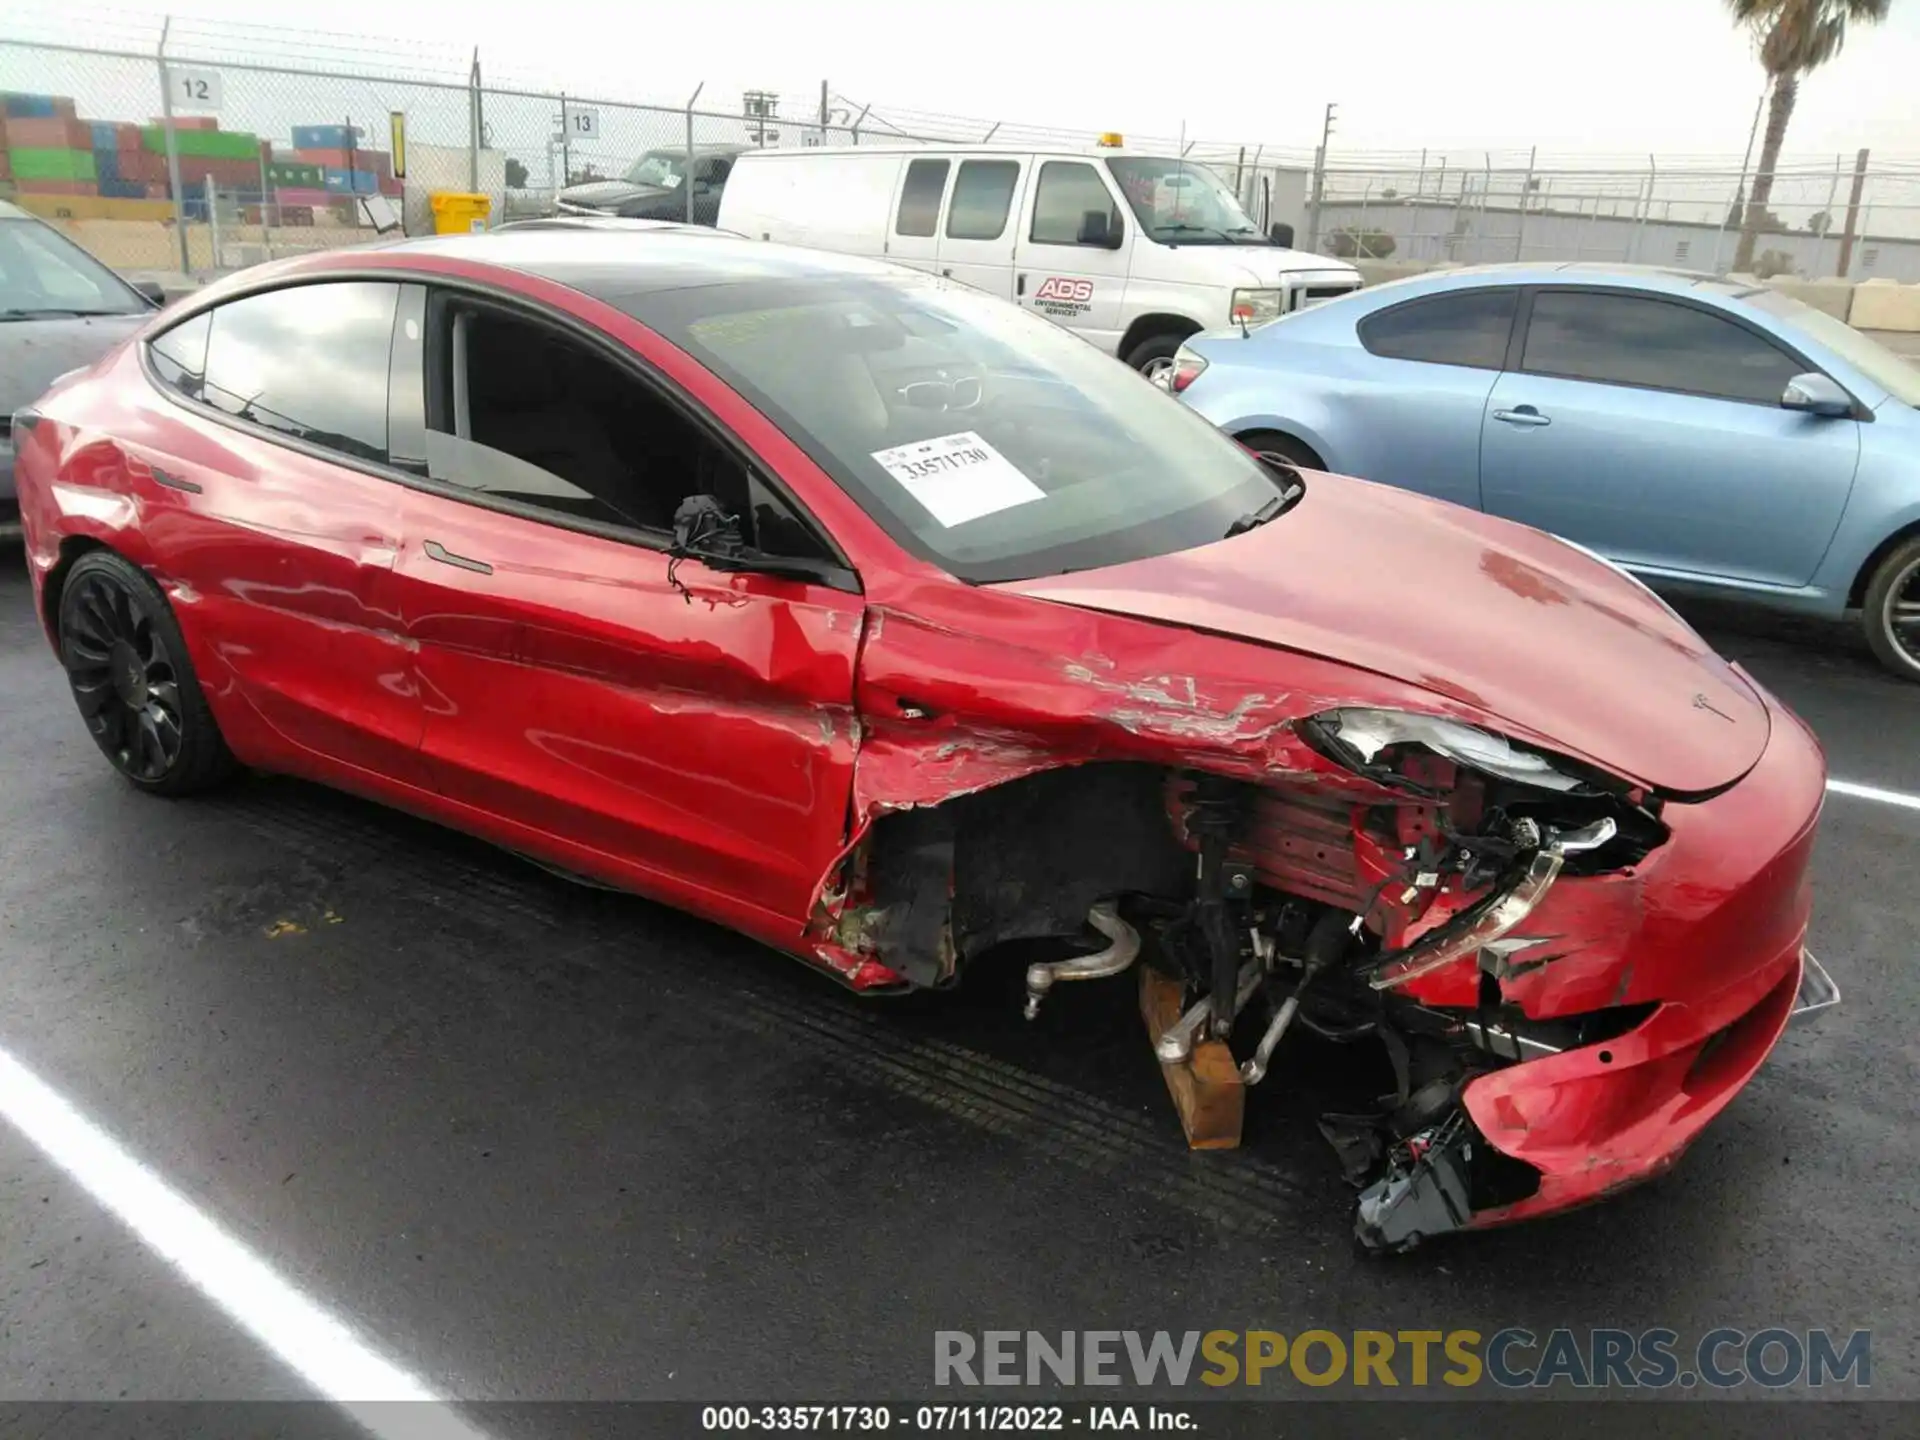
(1711, 931)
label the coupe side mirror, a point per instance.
(1281, 235)
(705, 530)
(1816, 394)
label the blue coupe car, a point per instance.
(1705, 435)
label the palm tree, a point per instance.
(1794, 37)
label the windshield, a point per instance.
(1183, 203)
(1899, 378)
(982, 438)
(658, 167)
(42, 273)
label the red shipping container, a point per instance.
(6, 166)
(60, 133)
(188, 122)
(327, 159)
(126, 136)
(63, 107)
(395, 189)
(57, 187)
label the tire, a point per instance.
(1289, 449)
(1155, 353)
(127, 666)
(1891, 612)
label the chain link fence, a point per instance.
(1814, 225)
(282, 142)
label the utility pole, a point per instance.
(1853, 214)
(823, 113)
(1319, 178)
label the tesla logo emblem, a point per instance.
(1700, 702)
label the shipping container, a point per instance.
(350, 182)
(325, 137)
(211, 144)
(294, 173)
(48, 133)
(56, 187)
(106, 164)
(294, 215)
(29, 107)
(125, 189)
(38, 164)
(305, 197)
(188, 122)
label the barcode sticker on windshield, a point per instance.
(958, 477)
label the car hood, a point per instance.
(1256, 266)
(35, 353)
(612, 194)
(1552, 645)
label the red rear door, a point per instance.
(279, 552)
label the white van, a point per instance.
(1133, 252)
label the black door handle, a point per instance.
(1019, 284)
(173, 482)
(436, 551)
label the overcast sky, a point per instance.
(1605, 77)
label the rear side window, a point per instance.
(1465, 327)
(1653, 344)
(1068, 191)
(180, 355)
(920, 198)
(982, 196)
(310, 362)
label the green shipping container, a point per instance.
(293, 176)
(30, 163)
(205, 144)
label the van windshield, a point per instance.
(981, 438)
(1181, 202)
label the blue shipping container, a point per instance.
(104, 137)
(30, 107)
(350, 182)
(324, 137)
(123, 189)
(106, 164)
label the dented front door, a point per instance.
(701, 740)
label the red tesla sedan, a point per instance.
(885, 623)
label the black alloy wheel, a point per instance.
(126, 663)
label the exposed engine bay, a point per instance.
(1330, 908)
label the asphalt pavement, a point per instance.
(539, 1142)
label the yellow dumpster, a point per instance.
(456, 213)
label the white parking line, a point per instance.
(317, 1346)
(1874, 793)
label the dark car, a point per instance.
(655, 188)
(59, 309)
(887, 624)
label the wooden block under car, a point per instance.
(1206, 1086)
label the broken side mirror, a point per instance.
(705, 530)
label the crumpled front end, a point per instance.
(1690, 962)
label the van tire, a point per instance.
(1155, 353)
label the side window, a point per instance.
(180, 356)
(920, 198)
(309, 361)
(1069, 191)
(982, 195)
(1466, 327)
(716, 170)
(1654, 344)
(525, 413)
